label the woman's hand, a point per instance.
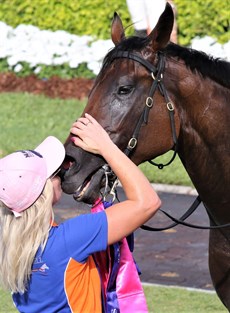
(90, 135)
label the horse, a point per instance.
(153, 96)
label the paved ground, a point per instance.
(174, 257)
(178, 256)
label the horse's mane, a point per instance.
(208, 66)
(215, 68)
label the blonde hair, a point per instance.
(21, 237)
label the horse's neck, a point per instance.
(204, 141)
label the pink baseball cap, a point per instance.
(23, 174)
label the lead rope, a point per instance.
(192, 208)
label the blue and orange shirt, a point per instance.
(64, 277)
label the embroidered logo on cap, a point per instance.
(30, 153)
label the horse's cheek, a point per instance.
(116, 113)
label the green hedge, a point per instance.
(203, 17)
(93, 17)
(81, 17)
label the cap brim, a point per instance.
(53, 152)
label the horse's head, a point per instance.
(118, 100)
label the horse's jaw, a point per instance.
(87, 192)
(84, 181)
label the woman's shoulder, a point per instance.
(81, 224)
(86, 232)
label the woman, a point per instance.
(50, 268)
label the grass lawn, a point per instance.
(159, 299)
(178, 300)
(26, 119)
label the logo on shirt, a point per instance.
(42, 269)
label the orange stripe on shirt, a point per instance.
(83, 287)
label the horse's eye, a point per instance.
(124, 90)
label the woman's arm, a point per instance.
(142, 201)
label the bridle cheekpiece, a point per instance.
(157, 74)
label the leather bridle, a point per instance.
(157, 76)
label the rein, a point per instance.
(181, 220)
(157, 76)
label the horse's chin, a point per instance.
(89, 191)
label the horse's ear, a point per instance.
(160, 35)
(117, 30)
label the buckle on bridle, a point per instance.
(149, 102)
(132, 143)
(109, 194)
(170, 106)
(159, 79)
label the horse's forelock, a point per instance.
(129, 44)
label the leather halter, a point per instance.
(157, 76)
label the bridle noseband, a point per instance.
(156, 74)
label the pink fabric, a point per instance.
(131, 296)
(129, 290)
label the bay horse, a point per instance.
(153, 96)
